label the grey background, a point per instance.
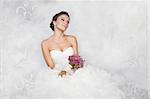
(111, 35)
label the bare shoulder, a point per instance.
(71, 37)
(46, 42)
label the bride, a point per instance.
(87, 82)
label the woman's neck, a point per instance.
(58, 34)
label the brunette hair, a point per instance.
(55, 18)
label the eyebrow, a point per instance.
(64, 17)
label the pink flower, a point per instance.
(76, 61)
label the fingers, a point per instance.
(62, 73)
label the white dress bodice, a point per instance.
(60, 58)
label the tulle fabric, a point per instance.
(89, 82)
(86, 82)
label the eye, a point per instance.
(68, 21)
(62, 19)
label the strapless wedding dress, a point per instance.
(85, 83)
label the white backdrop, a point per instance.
(111, 35)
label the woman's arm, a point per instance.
(46, 54)
(74, 44)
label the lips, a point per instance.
(65, 26)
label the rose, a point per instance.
(76, 62)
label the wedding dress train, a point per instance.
(86, 83)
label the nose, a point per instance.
(65, 23)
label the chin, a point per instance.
(62, 29)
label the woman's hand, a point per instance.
(62, 73)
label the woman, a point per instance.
(58, 41)
(87, 82)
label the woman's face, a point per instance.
(62, 22)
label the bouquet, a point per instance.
(76, 62)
